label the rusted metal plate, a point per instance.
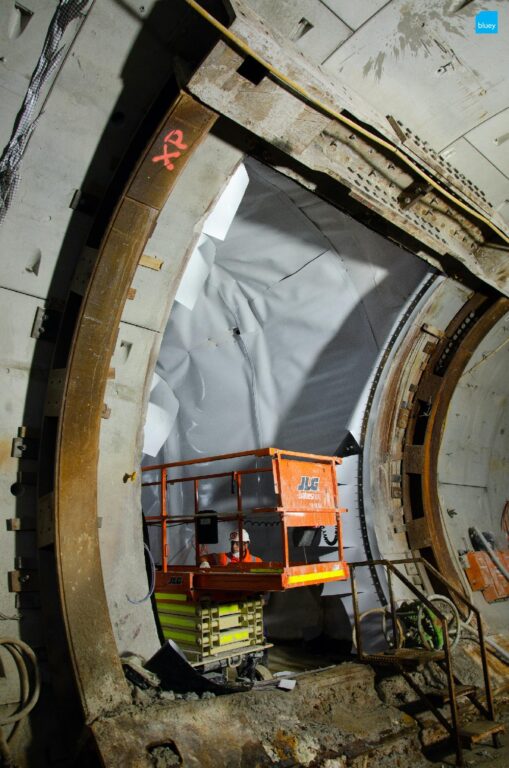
(54, 392)
(413, 459)
(418, 533)
(97, 671)
(45, 521)
(429, 386)
(432, 331)
(489, 312)
(169, 152)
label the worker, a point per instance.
(232, 557)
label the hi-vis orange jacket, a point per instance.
(226, 558)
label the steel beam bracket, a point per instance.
(408, 196)
(23, 581)
(46, 324)
(26, 444)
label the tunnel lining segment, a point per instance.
(89, 637)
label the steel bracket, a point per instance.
(23, 581)
(25, 445)
(46, 324)
(412, 193)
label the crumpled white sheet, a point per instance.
(161, 414)
(282, 338)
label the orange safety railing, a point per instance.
(302, 500)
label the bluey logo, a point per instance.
(486, 23)
(308, 483)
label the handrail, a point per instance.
(232, 474)
(391, 568)
(260, 452)
(283, 500)
(471, 606)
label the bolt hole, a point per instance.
(17, 489)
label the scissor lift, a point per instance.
(216, 612)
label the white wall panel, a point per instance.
(426, 66)
(491, 138)
(355, 14)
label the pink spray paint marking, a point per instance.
(175, 139)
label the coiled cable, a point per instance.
(152, 580)
(30, 684)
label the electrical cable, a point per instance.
(453, 621)
(24, 684)
(152, 580)
(20, 651)
(300, 91)
(330, 542)
(384, 614)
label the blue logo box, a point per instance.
(486, 23)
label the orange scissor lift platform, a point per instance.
(306, 496)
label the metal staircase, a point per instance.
(407, 658)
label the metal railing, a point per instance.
(166, 477)
(392, 571)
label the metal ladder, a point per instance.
(405, 658)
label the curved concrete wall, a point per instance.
(473, 466)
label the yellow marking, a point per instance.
(234, 636)
(185, 637)
(266, 570)
(226, 608)
(324, 575)
(171, 596)
(176, 621)
(175, 608)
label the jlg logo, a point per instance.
(308, 484)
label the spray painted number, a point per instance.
(173, 139)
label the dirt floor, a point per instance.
(342, 715)
(331, 719)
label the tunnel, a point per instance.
(225, 229)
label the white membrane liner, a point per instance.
(275, 346)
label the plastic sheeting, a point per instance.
(281, 343)
(161, 414)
